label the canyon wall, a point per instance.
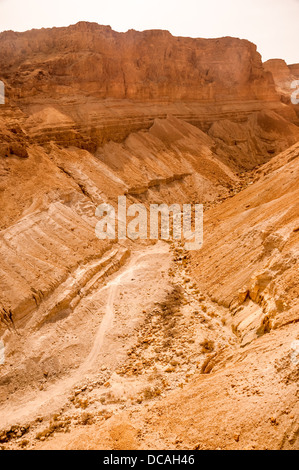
(90, 115)
(150, 65)
(284, 77)
(105, 84)
(102, 114)
(294, 68)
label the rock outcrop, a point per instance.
(108, 84)
(258, 260)
(90, 115)
(281, 72)
(285, 78)
(294, 68)
(143, 66)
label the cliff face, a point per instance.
(294, 68)
(91, 115)
(284, 75)
(245, 397)
(95, 90)
(281, 72)
(87, 84)
(151, 65)
(112, 83)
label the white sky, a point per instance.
(271, 24)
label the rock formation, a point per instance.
(94, 329)
(285, 77)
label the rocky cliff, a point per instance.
(142, 66)
(284, 77)
(294, 68)
(240, 395)
(91, 115)
(109, 84)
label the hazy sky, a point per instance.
(271, 24)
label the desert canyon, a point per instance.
(121, 344)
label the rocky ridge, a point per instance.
(106, 342)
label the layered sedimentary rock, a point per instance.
(109, 84)
(151, 65)
(245, 399)
(268, 247)
(294, 68)
(286, 80)
(51, 198)
(249, 144)
(61, 188)
(91, 115)
(281, 72)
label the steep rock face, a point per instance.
(284, 75)
(256, 233)
(294, 68)
(148, 65)
(281, 72)
(101, 114)
(249, 144)
(248, 398)
(109, 84)
(59, 190)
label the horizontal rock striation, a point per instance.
(284, 77)
(108, 84)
